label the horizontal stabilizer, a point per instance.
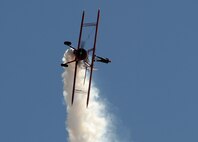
(103, 60)
(68, 43)
(64, 65)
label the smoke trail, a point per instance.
(90, 124)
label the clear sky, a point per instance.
(151, 84)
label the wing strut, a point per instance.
(93, 56)
(75, 70)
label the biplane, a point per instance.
(82, 54)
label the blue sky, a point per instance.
(151, 84)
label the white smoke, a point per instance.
(92, 124)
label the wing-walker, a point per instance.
(82, 54)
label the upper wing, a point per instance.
(76, 64)
(93, 56)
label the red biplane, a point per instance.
(82, 54)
